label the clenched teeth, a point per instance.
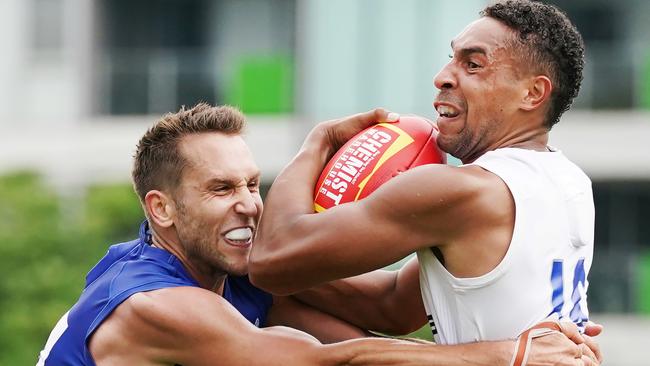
(241, 234)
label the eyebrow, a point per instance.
(230, 180)
(470, 50)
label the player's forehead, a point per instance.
(217, 156)
(485, 34)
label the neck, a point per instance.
(536, 140)
(207, 277)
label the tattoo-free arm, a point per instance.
(191, 326)
(384, 301)
(326, 327)
(296, 249)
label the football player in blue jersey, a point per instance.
(179, 293)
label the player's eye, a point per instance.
(221, 189)
(253, 186)
(473, 65)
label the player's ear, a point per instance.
(160, 208)
(537, 91)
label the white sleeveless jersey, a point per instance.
(544, 272)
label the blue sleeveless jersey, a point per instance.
(129, 268)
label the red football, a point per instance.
(374, 156)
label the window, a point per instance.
(622, 247)
(617, 73)
(156, 56)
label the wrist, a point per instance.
(506, 352)
(317, 143)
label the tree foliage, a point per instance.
(48, 242)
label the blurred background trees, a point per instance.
(47, 244)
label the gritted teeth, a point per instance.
(240, 234)
(447, 111)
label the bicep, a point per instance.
(407, 213)
(226, 337)
(406, 302)
(426, 206)
(192, 326)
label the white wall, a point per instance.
(354, 55)
(607, 145)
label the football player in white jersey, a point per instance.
(503, 241)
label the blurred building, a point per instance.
(81, 80)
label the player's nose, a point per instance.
(445, 78)
(247, 203)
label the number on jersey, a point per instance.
(577, 314)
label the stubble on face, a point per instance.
(206, 205)
(200, 241)
(469, 143)
(484, 96)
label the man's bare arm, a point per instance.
(384, 301)
(326, 327)
(429, 205)
(191, 326)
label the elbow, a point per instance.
(277, 261)
(265, 272)
(408, 326)
(402, 325)
(401, 321)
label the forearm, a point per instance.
(277, 246)
(292, 192)
(345, 301)
(387, 352)
(325, 327)
(389, 302)
(296, 249)
(358, 300)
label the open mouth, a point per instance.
(240, 237)
(447, 111)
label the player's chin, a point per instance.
(238, 269)
(237, 261)
(447, 143)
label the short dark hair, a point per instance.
(548, 39)
(158, 162)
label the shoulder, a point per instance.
(178, 310)
(161, 322)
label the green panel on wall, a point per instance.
(643, 282)
(262, 85)
(645, 83)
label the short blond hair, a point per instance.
(158, 162)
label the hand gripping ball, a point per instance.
(374, 156)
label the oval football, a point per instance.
(374, 156)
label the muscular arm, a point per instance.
(429, 205)
(327, 327)
(191, 326)
(385, 301)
